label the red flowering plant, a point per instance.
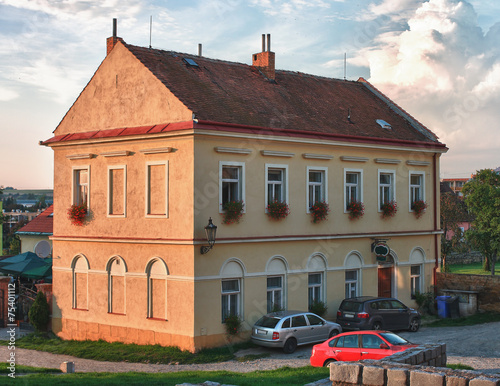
(77, 213)
(389, 209)
(278, 210)
(233, 211)
(233, 325)
(356, 209)
(319, 211)
(419, 207)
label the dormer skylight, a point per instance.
(190, 62)
(383, 124)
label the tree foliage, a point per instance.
(39, 312)
(482, 196)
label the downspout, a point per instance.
(436, 223)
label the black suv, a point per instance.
(370, 313)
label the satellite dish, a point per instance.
(43, 248)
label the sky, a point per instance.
(438, 59)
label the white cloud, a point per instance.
(7, 95)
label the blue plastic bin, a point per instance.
(443, 306)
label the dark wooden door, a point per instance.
(385, 282)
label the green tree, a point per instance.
(453, 212)
(482, 196)
(39, 312)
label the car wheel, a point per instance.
(376, 326)
(290, 346)
(333, 333)
(327, 362)
(414, 325)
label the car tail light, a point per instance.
(276, 335)
(339, 314)
(363, 315)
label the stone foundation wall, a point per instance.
(487, 286)
(464, 258)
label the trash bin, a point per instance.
(443, 306)
(454, 306)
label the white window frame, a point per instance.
(110, 169)
(416, 278)
(392, 186)
(359, 185)
(284, 169)
(241, 182)
(148, 204)
(273, 290)
(238, 294)
(323, 184)
(74, 190)
(320, 286)
(410, 187)
(352, 283)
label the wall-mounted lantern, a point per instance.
(210, 231)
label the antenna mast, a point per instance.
(150, 29)
(345, 65)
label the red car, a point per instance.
(358, 345)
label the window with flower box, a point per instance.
(81, 185)
(231, 183)
(317, 186)
(230, 298)
(276, 183)
(386, 187)
(353, 186)
(417, 185)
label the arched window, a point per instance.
(80, 287)
(352, 265)
(116, 269)
(157, 273)
(276, 284)
(231, 288)
(417, 258)
(316, 279)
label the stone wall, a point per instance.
(464, 258)
(487, 286)
(411, 367)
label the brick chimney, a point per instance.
(111, 41)
(264, 60)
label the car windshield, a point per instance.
(268, 322)
(393, 338)
(350, 306)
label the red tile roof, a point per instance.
(238, 94)
(41, 224)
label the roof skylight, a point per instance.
(190, 62)
(383, 124)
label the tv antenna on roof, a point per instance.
(345, 65)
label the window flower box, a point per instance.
(356, 210)
(233, 211)
(277, 210)
(419, 207)
(389, 209)
(319, 211)
(77, 213)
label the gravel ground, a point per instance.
(477, 346)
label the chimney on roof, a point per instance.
(111, 41)
(264, 61)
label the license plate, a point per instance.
(348, 315)
(262, 332)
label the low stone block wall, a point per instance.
(487, 286)
(409, 368)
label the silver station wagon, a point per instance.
(289, 329)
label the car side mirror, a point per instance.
(384, 346)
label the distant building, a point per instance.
(455, 184)
(16, 216)
(35, 236)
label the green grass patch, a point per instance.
(121, 352)
(459, 366)
(471, 269)
(479, 318)
(20, 369)
(282, 376)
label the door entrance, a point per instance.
(385, 274)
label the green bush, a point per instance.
(39, 313)
(318, 307)
(425, 302)
(233, 324)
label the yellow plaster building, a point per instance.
(159, 141)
